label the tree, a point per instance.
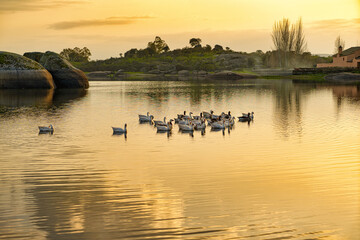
(159, 45)
(300, 43)
(76, 54)
(207, 48)
(131, 53)
(287, 38)
(194, 42)
(339, 42)
(218, 48)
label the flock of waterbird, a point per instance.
(186, 123)
(190, 123)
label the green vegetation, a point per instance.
(157, 58)
(9, 61)
(76, 54)
(307, 77)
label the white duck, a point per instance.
(48, 129)
(117, 130)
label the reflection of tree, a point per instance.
(288, 106)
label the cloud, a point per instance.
(11, 6)
(97, 22)
(336, 24)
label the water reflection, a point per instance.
(26, 97)
(88, 205)
(293, 172)
(38, 97)
(36, 101)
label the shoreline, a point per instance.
(344, 77)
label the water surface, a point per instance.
(292, 173)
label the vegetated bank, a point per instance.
(195, 61)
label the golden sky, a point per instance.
(110, 27)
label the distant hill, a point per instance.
(323, 55)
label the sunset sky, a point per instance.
(110, 27)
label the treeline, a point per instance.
(157, 57)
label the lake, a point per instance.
(292, 173)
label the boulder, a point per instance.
(154, 71)
(184, 73)
(17, 71)
(228, 75)
(343, 77)
(120, 72)
(201, 73)
(64, 74)
(99, 74)
(36, 56)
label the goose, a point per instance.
(230, 122)
(218, 125)
(246, 118)
(117, 130)
(144, 116)
(200, 126)
(184, 127)
(214, 117)
(228, 116)
(198, 117)
(49, 129)
(247, 114)
(166, 128)
(188, 117)
(207, 114)
(184, 122)
(162, 123)
(180, 116)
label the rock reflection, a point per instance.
(35, 101)
(26, 97)
(64, 96)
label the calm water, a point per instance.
(293, 173)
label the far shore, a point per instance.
(344, 78)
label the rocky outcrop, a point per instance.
(20, 72)
(184, 73)
(64, 74)
(99, 74)
(343, 77)
(36, 56)
(231, 61)
(228, 75)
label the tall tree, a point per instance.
(287, 38)
(339, 42)
(194, 42)
(300, 43)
